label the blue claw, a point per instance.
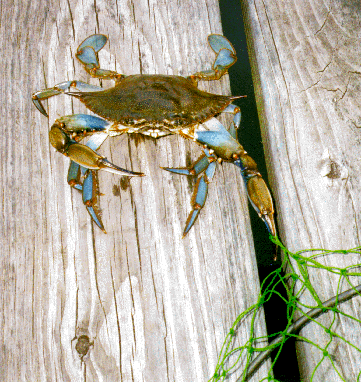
(84, 158)
(95, 218)
(105, 165)
(96, 41)
(218, 42)
(93, 214)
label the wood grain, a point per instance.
(139, 303)
(307, 70)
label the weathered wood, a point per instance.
(149, 305)
(307, 69)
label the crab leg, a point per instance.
(199, 196)
(90, 196)
(74, 174)
(87, 54)
(206, 166)
(227, 148)
(89, 187)
(39, 96)
(226, 57)
(84, 159)
(195, 169)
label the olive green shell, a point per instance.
(148, 101)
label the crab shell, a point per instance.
(155, 105)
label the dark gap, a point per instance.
(286, 367)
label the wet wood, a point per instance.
(138, 303)
(307, 72)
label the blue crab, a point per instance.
(154, 105)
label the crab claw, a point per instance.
(105, 165)
(261, 200)
(88, 158)
(84, 155)
(258, 192)
(83, 124)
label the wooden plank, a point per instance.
(306, 64)
(149, 305)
